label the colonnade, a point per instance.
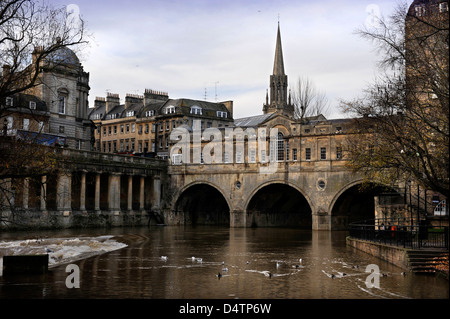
(81, 192)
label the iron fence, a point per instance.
(408, 236)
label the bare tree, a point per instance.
(31, 33)
(33, 38)
(308, 100)
(404, 115)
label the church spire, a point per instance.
(279, 101)
(278, 66)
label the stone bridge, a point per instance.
(318, 195)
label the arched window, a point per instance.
(280, 147)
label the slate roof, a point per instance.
(252, 120)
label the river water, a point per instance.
(260, 263)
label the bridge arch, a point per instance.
(277, 203)
(201, 203)
(354, 202)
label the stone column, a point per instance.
(156, 192)
(141, 193)
(83, 192)
(130, 192)
(114, 193)
(43, 193)
(97, 192)
(64, 192)
(26, 192)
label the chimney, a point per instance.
(99, 102)
(229, 106)
(152, 95)
(112, 100)
(133, 99)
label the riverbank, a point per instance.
(431, 261)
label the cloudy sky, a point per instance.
(224, 50)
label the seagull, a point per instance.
(164, 258)
(199, 260)
(193, 258)
(278, 264)
(225, 269)
(48, 250)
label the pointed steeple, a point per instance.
(278, 66)
(279, 101)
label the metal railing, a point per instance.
(402, 235)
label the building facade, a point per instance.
(143, 124)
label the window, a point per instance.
(140, 129)
(26, 124)
(170, 109)
(280, 147)
(109, 130)
(443, 7)
(420, 11)
(294, 154)
(9, 101)
(32, 105)
(115, 129)
(61, 129)
(150, 113)
(62, 104)
(221, 114)
(323, 153)
(41, 126)
(196, 110)
(133, 127)
(238, 157)
(308, 154)
(130, 113)
(104, 130)
(128, 128)
(252, 155)
(225, 157)
(121, 129)
(338, 152)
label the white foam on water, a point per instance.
(60, 250)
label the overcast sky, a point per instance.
(185, 47)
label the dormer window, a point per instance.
(221, 114)
(130, 113)
(419, 10)
(32, 105)
(443, 7)
(150, 113)
(170, 109)
(196, 110)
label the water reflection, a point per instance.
(261, 263)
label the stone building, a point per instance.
(64, 87)
(143, 124)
